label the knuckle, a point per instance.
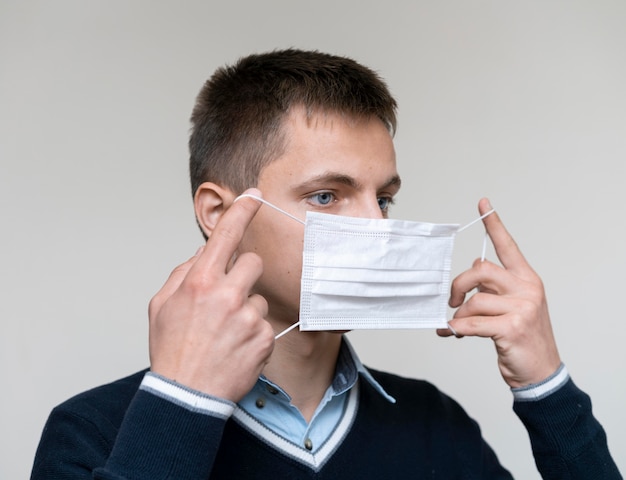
(527, 309)
(249, 318)
(191, 287)
(268, 330)
(252, 261)
(154, 306)
(478, 301)
(268, 337)
(227, 234)
(231, 297)
(517, 322)
(179, 272)
(484, 267)
(535, 293)
(197, 286)
(472, 323)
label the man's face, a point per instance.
(331, 164)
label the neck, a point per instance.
(303, 364)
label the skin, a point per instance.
(212, 324)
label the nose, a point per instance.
(367, 207)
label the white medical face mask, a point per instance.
(360, 273)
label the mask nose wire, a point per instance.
(482, 255)
(265, 202)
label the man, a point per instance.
(223, 399)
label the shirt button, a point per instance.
(272, 390)
(260, 402)
(308, 444)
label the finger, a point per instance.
(479, 326)
(447, 332)
(172, 283)
(505, 246)
(485, 276)
(249, 320)
(246, 271)
(259, 304)
(228, 233)
(485, 304)
(444, 332)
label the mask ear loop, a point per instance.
(482, 255)
(287, 330)
(484, 252)
(476, 220)
(265, 202)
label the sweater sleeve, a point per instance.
(568, 442)
(156, 437)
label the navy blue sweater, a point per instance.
(118, 431)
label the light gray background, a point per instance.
(522, 101)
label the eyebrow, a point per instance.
(394, 181)
(335, 177)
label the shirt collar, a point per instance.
(347, 371)
(349, 366)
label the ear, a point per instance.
(210, 202)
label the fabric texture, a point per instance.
(118, 431)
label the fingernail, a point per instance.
(453, 330)
(254, 191)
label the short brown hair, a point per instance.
(238, 115)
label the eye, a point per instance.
(384, 203)
(322, 198)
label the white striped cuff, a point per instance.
(186, 397)
(540, 390)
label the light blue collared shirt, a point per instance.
(271, 405)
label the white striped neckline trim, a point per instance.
(316, 459)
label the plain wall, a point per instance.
(523, 102)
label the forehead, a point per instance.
(319, 142)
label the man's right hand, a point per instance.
(207, 331)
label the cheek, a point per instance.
(279, 246)
(284, 258)
(280, 282)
